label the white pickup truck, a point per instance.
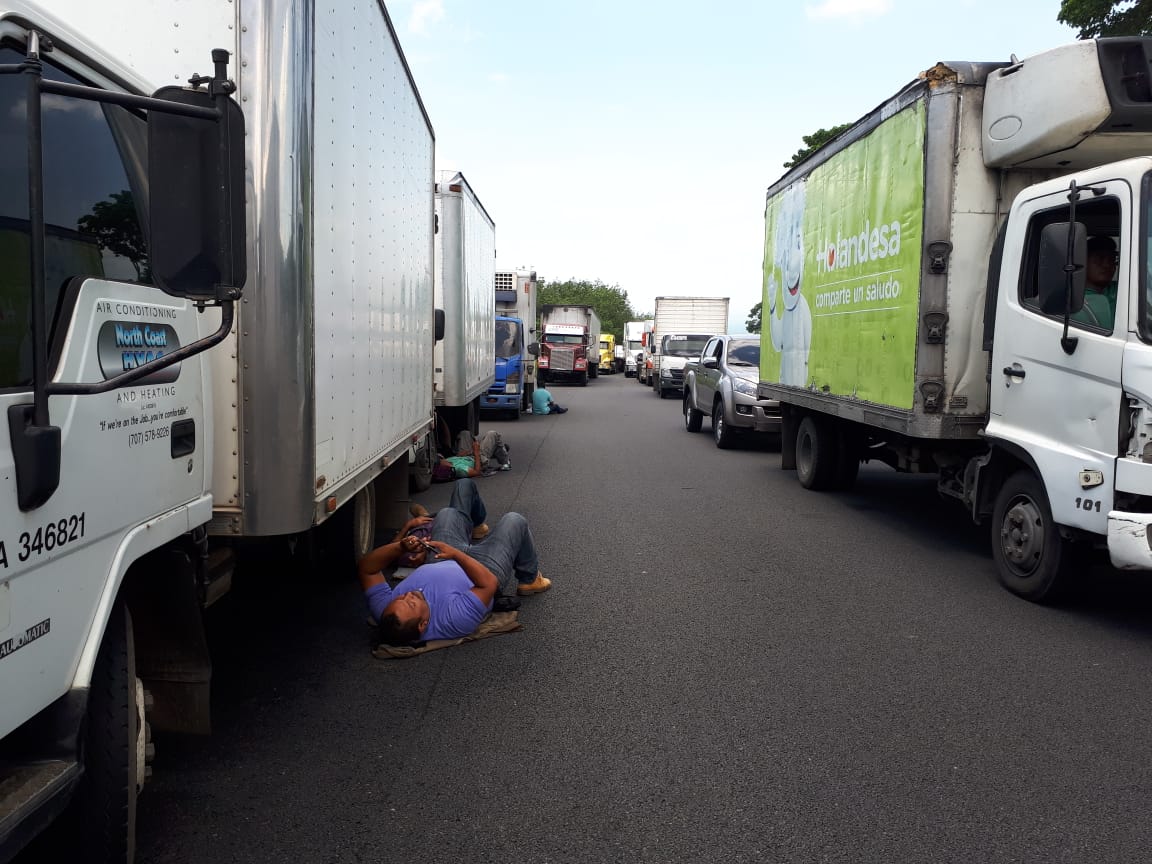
(721, 384)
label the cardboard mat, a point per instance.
(493, 625)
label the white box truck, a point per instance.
(633, 346)
(465, 270)
(135, 462)
(680, 328)
(569, 343)
(957, 285)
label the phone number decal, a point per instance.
(54, 535)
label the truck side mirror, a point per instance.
(1052, 279)
(709, 363)
(196, 209)
(534, 349)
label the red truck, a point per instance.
(571, 334)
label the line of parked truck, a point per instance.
(234, 311)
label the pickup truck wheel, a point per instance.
(693, 419)
(722, 433)
(816, 454)
(1032, 560)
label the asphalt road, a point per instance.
(728, 669)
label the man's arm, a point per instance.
(371, 567)
(483, 579)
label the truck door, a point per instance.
(706, 378)
(127, 456)
(1064, 409)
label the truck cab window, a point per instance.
(1101, 218)
(94, 158)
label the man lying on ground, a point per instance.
(448, 597)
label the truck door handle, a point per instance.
(1013, 371)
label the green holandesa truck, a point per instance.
(924, 285)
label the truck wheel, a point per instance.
(1032, 560)
(722, 433)
(101, 821)
(692, 418)
(583, 382)
(420, 475)
(816, 454)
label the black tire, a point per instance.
(100, 824)
(693, 419)
(722, 433)
(420, 473)
(514, 414)
(817, 456)
(593, 371)
(348, 535)
(583, 382)
(1032, 560)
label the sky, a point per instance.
(632, 141)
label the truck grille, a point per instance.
(562, 359)
(677, 374)
(504, 282)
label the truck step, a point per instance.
(218, 576)
(27, 787)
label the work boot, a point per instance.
(480, 531)
(540, 583)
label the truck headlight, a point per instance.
(748, 388)
(665, 373)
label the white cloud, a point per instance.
(425, 13)
(851, 9)
(498, 77)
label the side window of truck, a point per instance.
(94, 163)
(1101, 218)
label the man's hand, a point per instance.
(415, 522)
(444, 552)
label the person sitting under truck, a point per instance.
(474, 457)
(448, 597)
(1099, 290)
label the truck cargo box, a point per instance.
(865, 315)
(331, 379)
(465, 271)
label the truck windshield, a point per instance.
(507, 339)
(683, 346)
(744, 354)
(563, 339)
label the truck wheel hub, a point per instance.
(1021, 534)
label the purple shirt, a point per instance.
(453, 610)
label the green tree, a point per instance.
(116, 226)
(753, 323)
(1107, 17)
(814, 142)
(610, 301)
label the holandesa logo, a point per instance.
(870, 244)
(125, 345)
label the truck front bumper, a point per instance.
(759, 415)
(1130, 540)
(500, 401)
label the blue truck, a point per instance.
(516, 347)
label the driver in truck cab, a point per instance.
(1099, 290)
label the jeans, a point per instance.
(508, 550)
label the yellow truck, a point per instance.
(608, 363)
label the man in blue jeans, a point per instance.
(448, 597)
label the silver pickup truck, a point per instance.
(721, 384)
